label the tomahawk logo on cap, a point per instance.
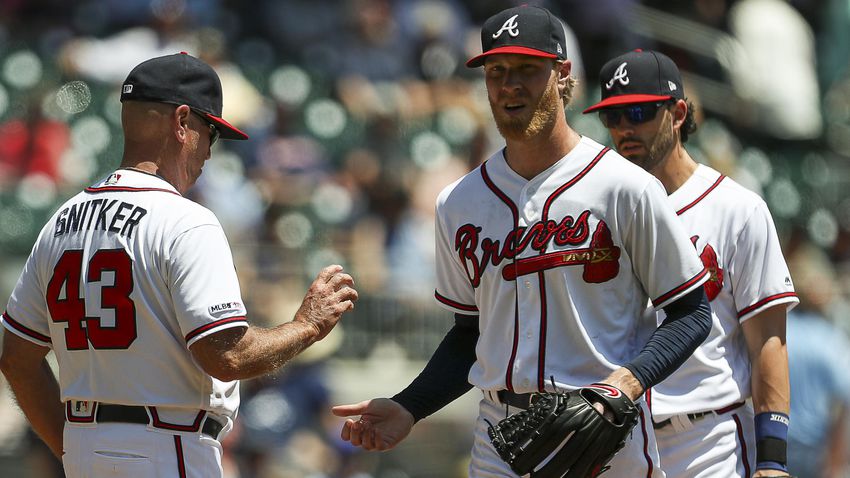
(525, 30)
(639, 76)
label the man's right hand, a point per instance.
(329, 296)
(383, 423)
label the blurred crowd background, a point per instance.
(359, 112)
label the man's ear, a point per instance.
(680, 112)
(180, 121)
(564, 69)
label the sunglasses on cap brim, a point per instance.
(634, 114)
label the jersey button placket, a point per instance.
(528, 293)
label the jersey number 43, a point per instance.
(66, 304)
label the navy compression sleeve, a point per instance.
(687, 325)
(445, 377)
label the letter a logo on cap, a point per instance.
(510, 26)
(621, 75)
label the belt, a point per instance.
(516, 400)
(696, 416)
(107, 413)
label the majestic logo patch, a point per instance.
(621, 75)
(714, 284)
(509, 26)
(600, 259)
(219, 309)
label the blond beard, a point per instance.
(543, 117)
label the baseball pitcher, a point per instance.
(547, 254)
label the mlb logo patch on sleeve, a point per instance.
(225, 307)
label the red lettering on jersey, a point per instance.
(715, 279)
(66, 303)
(600, 259)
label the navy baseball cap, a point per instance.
(180, 79)
(525, 30)
(639, 76)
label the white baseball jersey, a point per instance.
(124, 277)
(733, 233)
(559, 268)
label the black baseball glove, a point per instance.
(562, 435)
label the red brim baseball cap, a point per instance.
(523, 30)
(626, 100)
(639, 76)
(519, 50)
(181, 79)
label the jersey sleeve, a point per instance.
(664, 260)
(203, 282)
(26, 312)
(454, 289)
(757, 269)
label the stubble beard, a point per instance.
(660, 147)
(544, 115)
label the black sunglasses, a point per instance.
(634, 114)
(214, 132)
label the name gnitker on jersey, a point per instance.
(134, 288)
(100, 214)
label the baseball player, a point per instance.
(547, 255)
(134, 289)
(703, 425)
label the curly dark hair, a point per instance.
(690, 124)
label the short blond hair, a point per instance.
(567, 92)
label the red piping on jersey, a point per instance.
(649, 465)
(104, 189)
(541, 346)
(702, 196)
(571, 182)
(663, 298)
(453, 304)
(515, 214)
(178, 447)
(544, 216)
(24, 330)
(191, 335)
(743, 443)
(764, 302)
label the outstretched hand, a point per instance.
(383, 423)
(329, 296)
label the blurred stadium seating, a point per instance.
(360, 111)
